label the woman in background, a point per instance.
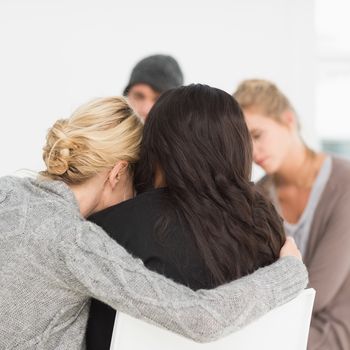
(197, 218)
(53, 260)
(311, 190)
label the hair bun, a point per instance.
(96, 136)
(57, 166)
(57, 150)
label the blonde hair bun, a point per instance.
(56, 151)
(94, 138)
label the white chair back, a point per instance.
(286, 327)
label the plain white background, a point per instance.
(333, 70)
(56, 55)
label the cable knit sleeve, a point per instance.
(102, 269)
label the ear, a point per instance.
(117, 171)
(289, 119)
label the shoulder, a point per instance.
(39, 208)
(141, 199)
(339, 179)
(132, 223)
(331, 217)
(10, 183)
(335, 199)
(340, 168)
(139, 210)
(13, 192)
(136, 225)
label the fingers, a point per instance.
(290, 248)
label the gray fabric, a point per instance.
(52, 261)
(300, 231)
(161, 72)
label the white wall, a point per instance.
(58, 54)
(333, 56)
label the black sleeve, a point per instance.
(100, 326)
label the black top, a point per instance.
(133, 224)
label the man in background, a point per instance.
(152, 76)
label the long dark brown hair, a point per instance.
(198, 137)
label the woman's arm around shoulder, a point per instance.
(104, 270)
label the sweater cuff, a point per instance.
(283, 280)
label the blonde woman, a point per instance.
(311, 190)
(53, 260)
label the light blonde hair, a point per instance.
(262, 96)
(96, 136)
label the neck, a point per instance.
(87, 195)
(123, 191)
(159, 177)
(97, 194)
(300, 168)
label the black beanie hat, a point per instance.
(161, 72)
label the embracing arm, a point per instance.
(104, 270)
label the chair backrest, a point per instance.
(286, 327)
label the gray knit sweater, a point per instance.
(52, 262)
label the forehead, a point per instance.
(257, 120)
(143, 89)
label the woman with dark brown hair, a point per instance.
(197, 218)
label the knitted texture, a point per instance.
(52, 262)
(161, 72)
